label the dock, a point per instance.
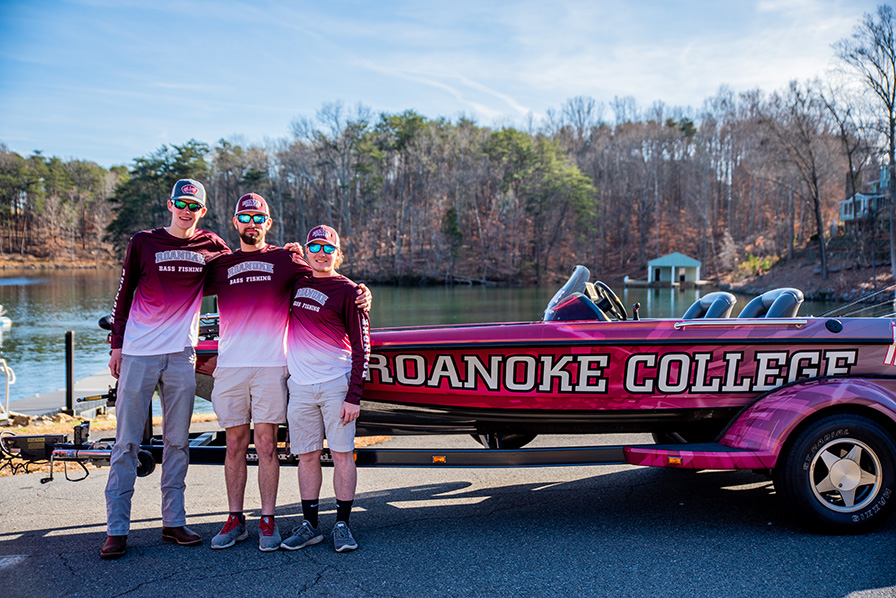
(54, 401)
(453, 279)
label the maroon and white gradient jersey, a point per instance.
(329, 336)
(254, 289)
(157, 306)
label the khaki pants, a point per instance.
(175, 375)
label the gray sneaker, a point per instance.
(268, 535)
(233, 531)
(342, 538)
(302, 536)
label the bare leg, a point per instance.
(345, 475)
(268, 466)
(235, 466)
(310, 475)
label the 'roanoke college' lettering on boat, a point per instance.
(643, 373)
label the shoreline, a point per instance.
(845, 282)
(30, 265)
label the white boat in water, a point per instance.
(5, 322)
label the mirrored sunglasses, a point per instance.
(316, 247)
(256, 218)
(181, 204)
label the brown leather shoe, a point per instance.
(114, 548)
(183, 535)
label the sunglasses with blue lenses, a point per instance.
(316, 247)
(256, 218)
(181, 204)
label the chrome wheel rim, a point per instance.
(845, 475)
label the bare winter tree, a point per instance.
(797, 124)
(855, 147)
(871, 56)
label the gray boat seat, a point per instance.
(711, 305)
(777, 303)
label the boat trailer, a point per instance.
(209, 448)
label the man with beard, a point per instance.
(154, 330)
(253, 287)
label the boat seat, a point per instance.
(777, 303)
(711, 305)
(577, 307)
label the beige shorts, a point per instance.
(313, 412)
(244, 394)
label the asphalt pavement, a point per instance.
(553, 531)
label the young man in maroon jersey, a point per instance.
(154, 333)
(253, 287)
(328, 349)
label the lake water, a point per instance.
(43, 305)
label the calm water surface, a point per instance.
(43, 306)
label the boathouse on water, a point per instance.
(673, 269)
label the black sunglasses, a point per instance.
(181, 204)
(316, 247)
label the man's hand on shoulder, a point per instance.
(364, 300)
(293, 247)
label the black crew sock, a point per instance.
(309, 511)
(239, 515)
(343, 510)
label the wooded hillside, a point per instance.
(738, 184)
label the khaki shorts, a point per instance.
(244, 394)
(314, 410)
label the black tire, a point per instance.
(838, 475)
(503, 441)
(146, 464)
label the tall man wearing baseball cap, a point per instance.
(328, 351)
(154, 332)
(253, 287)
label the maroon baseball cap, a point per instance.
(189, 189)
(323, 234)
(252, 202)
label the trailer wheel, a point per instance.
(146, 464)
(838, 475)
(503, 441)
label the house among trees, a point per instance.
(867, 206)
(674, 269)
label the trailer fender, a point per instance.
(755, 438)
(764, 427)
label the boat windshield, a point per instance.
(575, 284)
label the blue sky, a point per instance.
(110, 81)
